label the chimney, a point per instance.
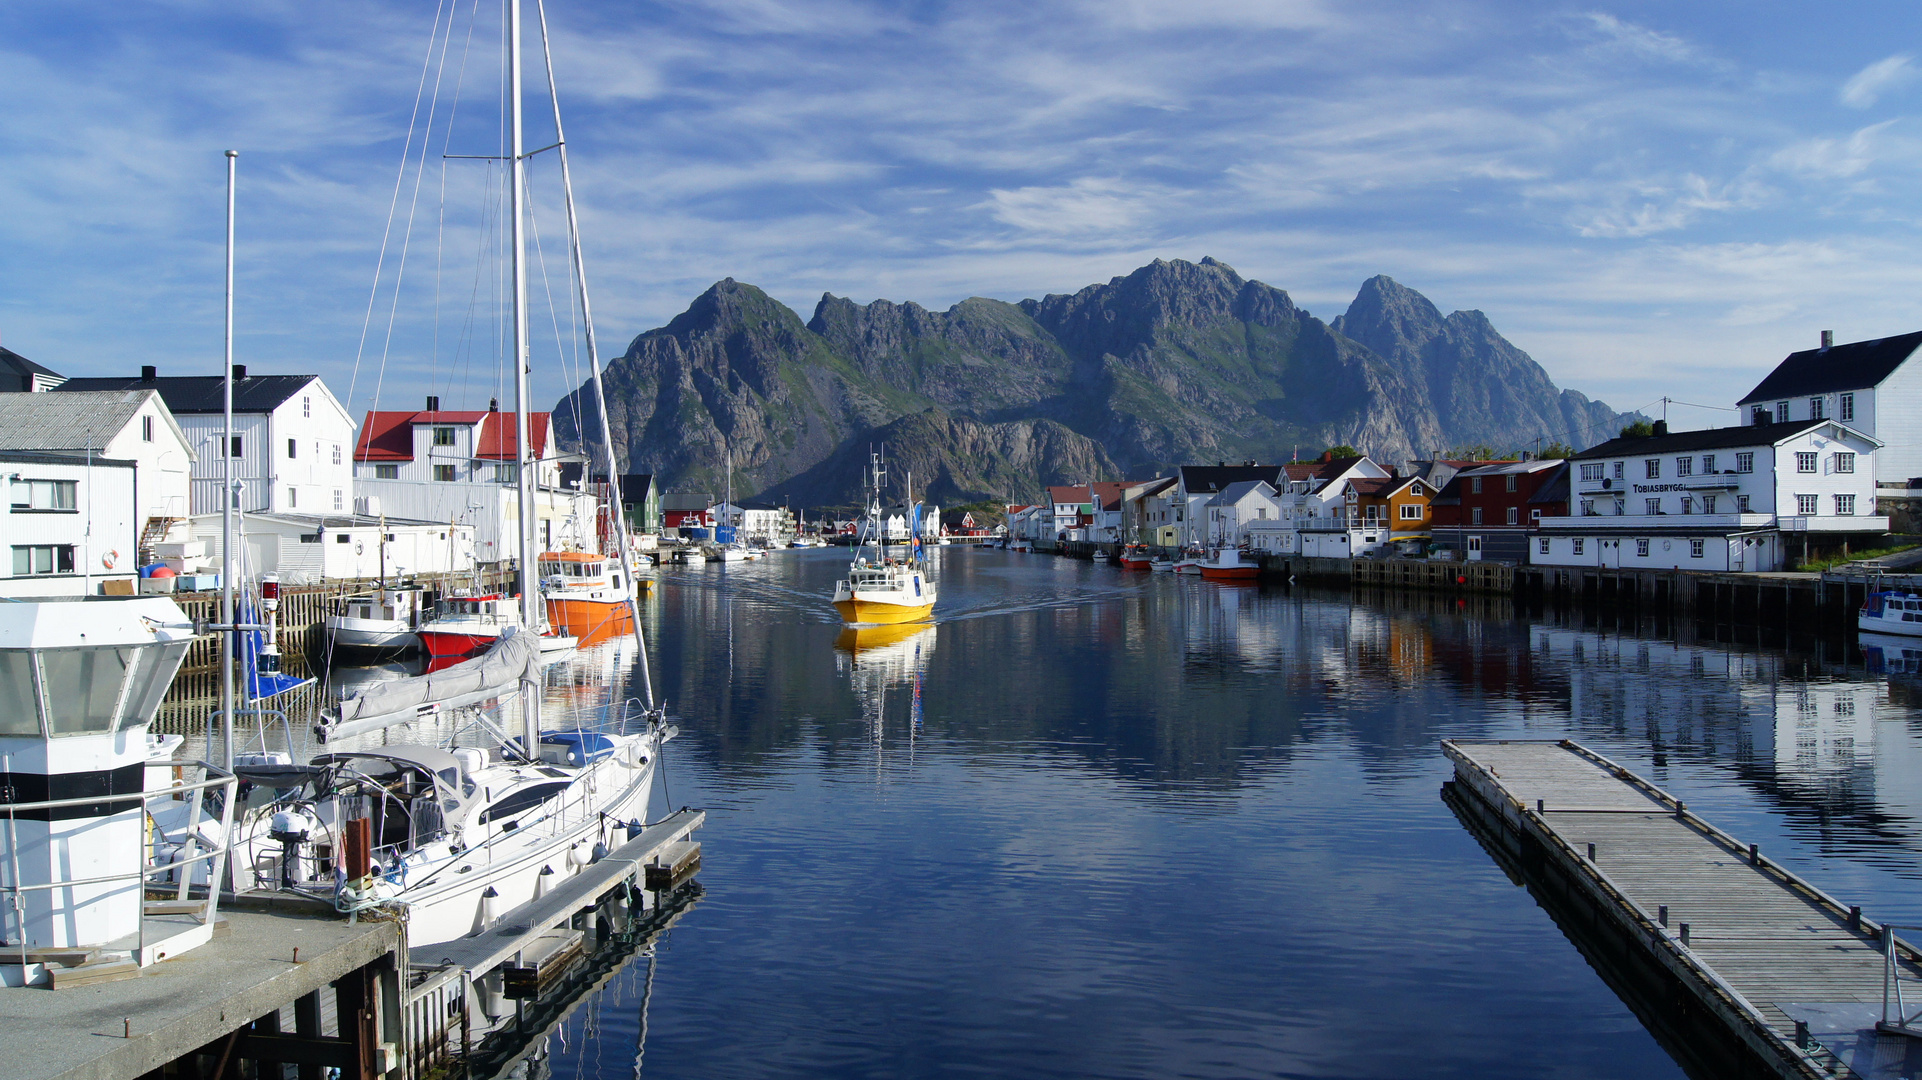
(1661, 427)
(1828, 339)
(149, 373)
(493, 404)
(240, 372)
(1327, 456)
(433, 403)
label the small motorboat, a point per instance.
(1230, 564)
(1890, 612)
(1161, 564)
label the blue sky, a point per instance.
(1649, 198)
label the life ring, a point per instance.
(109, 559)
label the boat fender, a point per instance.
(633, 830)
(600, 851)
(578, 856)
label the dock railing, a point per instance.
(202, 910)
(1896, 1017)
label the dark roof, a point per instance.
(22, 368)
(1708, 439)
(635, 486)
(681, 501)
(1196, 479)
(1554, 489)
(202, 393)
(746, 505)
(1855, 366)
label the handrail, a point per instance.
(216, 777)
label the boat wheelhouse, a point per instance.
(585, 594)
(1891, 612)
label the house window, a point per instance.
(1708, 504)
(31, 559)
(290, 449)
(44, 494)
(1708, 464)
(1688, 504)
(1475, 515)
(1578, 544)
(1475, 485)
(1651, 506)
(1535, 516)
(1641, 548)
(1684, 466)
(1261, 513)
(1695, 548)
(1592, 472)
(1514, 516)
(146, 429)
(1758, 415)
(336, 447)
(306, 406)
(443, 436)
(1588, 507)
(1541, 545)
(1621, 507)
(1845, 407)
(1411, 511)
(444, 473)
(1782, 412)
(337, 504)
(235, 449)
(1815, 408)
(386, 472)
(1618, 469)
(293, 496)
(1844, 463)
(1511, 481)
(1804, 461)
(1652, 468)
(1806, 505)
(1745, 462)
(1741, 504)
(343, 538)
(504, 474)
(1845, 505)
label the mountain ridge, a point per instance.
(1174, 363)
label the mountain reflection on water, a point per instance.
(1100, 823)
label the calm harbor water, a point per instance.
(1099, 824)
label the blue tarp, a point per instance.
(583, 746)
(260, 685)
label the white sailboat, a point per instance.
(456, 835)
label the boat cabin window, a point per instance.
(521, 801)
(19, 711)
(83, 688)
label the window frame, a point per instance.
(1651, 468)
(1807, 462)
(445, 474)
(1845, 407)
(443, 435)
(1844, 462)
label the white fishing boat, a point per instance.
(691, 556)
(879, 588)
(383, 623)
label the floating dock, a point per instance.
(278, 984)
(1739, 967)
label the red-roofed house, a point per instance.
(460, 465)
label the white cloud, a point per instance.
(1836, 158)
(1881, 77)
(1639, 40)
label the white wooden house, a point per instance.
(1874, 387)
(290, 445)
(1729, 499)
(125, 425)
(71, 524)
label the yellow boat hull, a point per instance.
(867, 611)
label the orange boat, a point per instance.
(585, 594)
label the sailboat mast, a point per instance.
(228, 639)
(525, 457)
(594, 365)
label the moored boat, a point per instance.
(1891, 612)
(376, 624)
(1136, 557)
(1230, 564)
(586, 595)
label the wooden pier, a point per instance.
(1739, 966)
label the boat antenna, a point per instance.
(227, 640)
(594, 365)
(525, 461)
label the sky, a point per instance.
(1651, 199)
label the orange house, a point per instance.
(1399, 503)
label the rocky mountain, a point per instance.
(1175, 363)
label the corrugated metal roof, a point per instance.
(67, 421)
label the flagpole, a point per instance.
(227, 501)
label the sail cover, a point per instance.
(483, 677)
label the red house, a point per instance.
(1489, 510)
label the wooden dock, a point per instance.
(1758, 971)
